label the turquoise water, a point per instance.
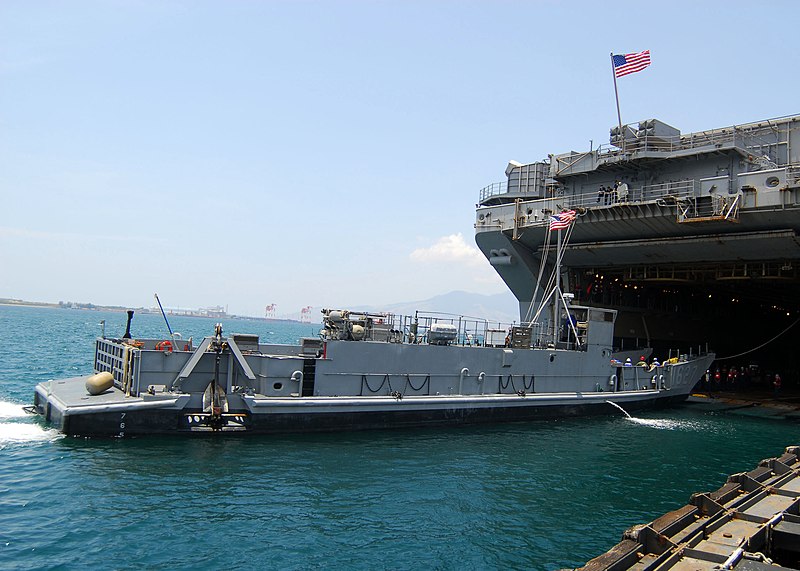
(541, 495)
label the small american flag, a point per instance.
(630, 63)
(563, 220)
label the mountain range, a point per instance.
(501, 307)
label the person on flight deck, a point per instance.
(642, 362)
(628, 362)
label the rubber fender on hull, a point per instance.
(99, 383)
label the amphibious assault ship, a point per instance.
(690, 237)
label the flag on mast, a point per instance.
(563, 220)
(630, 63)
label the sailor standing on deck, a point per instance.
(601, 195)
(622, 192)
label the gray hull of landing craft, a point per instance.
(350, 385)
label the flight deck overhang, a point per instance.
(740, 247)
(574, 164)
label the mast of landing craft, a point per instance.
(557, 287)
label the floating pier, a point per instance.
(752, 523)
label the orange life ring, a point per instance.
(164, 346)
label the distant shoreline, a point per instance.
(65, 305)
(15, 302)
(10, 302)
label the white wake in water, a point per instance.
(13, 431)
(11, 410)
(660, 423)
(22, 432)
(667, 423)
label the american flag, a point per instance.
(563, 220)
(630, 63)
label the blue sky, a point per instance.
(325, 153)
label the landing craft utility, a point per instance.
(366, 371)
(369, 371)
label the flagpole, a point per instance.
(557, 288)
(616, 96)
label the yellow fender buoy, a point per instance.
(99, 383)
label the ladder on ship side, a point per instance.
(309, 368)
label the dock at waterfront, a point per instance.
(752, 522)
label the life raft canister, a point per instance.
(99, 383)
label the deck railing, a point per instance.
(468, 330)
(461, 330)
(673, 191)
(493, 189)
(677, 191)
(663, 144)
(634, 194)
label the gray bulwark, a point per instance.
(191, 363)
(202, 349)
(248, 372)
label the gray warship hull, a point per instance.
(691, 237)
(374, 380)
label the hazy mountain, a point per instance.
(499, 307)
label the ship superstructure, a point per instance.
(702, 225)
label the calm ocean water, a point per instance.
(545, 495)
